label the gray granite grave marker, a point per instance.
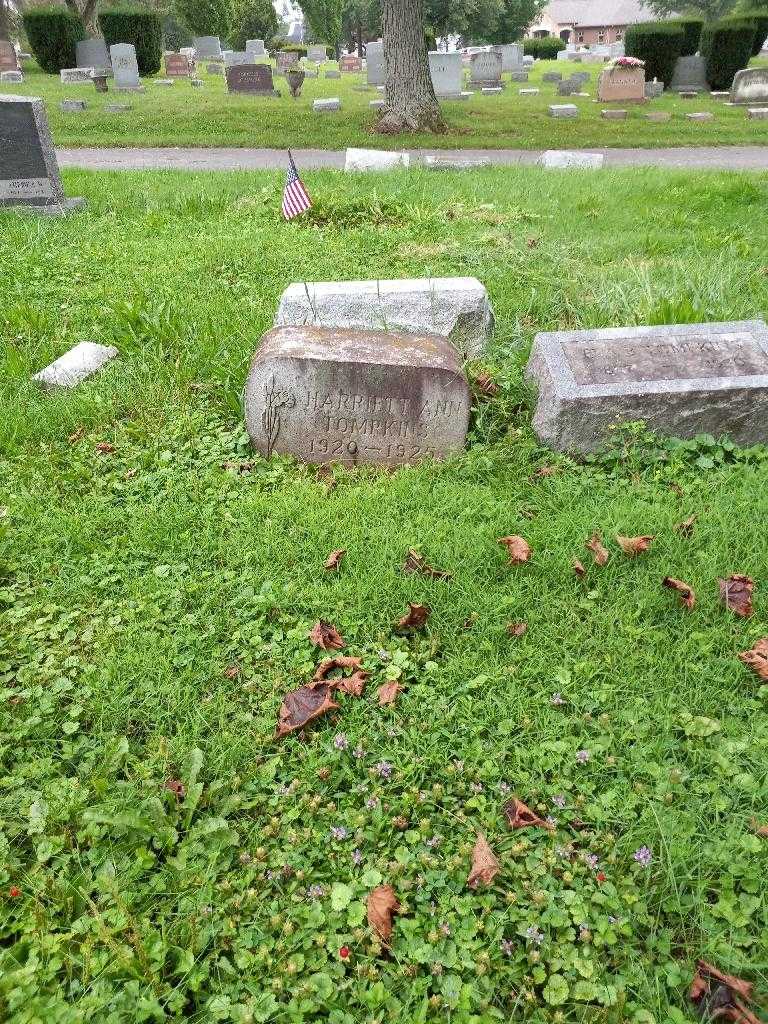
(750, 86)
(485, 69)
(252, 79)
(92, 53)
(690, 75)
(446, 72)
(374, 60)
(255, 47)
(682, 380)
(317, 54)
(356, 397)
(207, 47)
(124, 66)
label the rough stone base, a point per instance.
(66, 206)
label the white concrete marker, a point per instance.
(74, 366)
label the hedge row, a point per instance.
(137, 25)
(52, 33)
(692, 28)
(659, 44)
(727, 48)
(545, 49)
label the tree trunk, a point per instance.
(359, 37)
(411, 105)
(5, 21)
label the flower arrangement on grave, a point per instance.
(625, 62)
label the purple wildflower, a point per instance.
(316, 892)
(557, 699)
(507, 947)
(340, 741)
(357, 858)
(591, 860)
(445, 928)
(358, 752)
(384, 769)
(434, 841)
(371, 802)
(559, 801)
(582, 756)
(534, 935)
(643, 856)
(339, 832)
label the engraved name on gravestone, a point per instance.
(29, 171)
(350, 63)
(177, 65)
(625, 85)
(124, 65)
(485, 69)
(285, 60)
(689, 75)
(254, 79)
(681, 380)
(92, 53)
(8, 61)
(374, 62)
(750, 86)
(356, 397)
(316, 54)
(446, 72)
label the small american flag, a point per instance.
(295, 197)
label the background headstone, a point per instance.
(328, 104)
(234, 58)
(356, 397)
(750, 86)
(681, 380)
(177, 65)
(690, 75)
(29, 171)
(285, 60)
(75, 76)
(124, 66)
(207, 47)
(511, 56)
(485, 69)
(317, 54)
(253, 79)
(446, 71)
(8, 59)
(92, 53)
(255, 47)
(349, 64)
(374, 62)
(12, 77)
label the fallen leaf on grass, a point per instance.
(579, 569)
(736, 594)
(518, 549)
(516, 628)
(599, 551)
(382, 905)
(324, 635)
(415, 562)
(758, 829)
(76, 435)
(757, 658)
(486, 385)
(544, 471)
(302, 705)
(105, 448)
(232, 672)
(469, 622)
(176, 787)
(685, 529)
(352, 684)
(687, 594)
(415, 618)
(633, 546)
(719, 995)
(485, 866)
(387, 692)
(519, 815)
(334, 559)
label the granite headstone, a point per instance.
(255, 47)
(8, 59)
(750, 86)
(485, 69)
(177, 65)
(92, 53)
(253, 79)
(124, 65)
(207, 47)
(374, 59)
(689, 75)
(446, 72)
(349, 64)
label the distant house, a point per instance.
(589, 21)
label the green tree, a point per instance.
(253, 19)
(324, 18)
(475, 19)
(709, 10)
(205, 17)
(361, 22)
(515, 19)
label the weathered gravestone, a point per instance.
(253, 79)
(374, 62)
(8, 60)
(446, 72)
(29, 171)
(207, 47)
(563, 159)
(177, 65)
(92, 53)
(234, 58)
(682, 380)
(349, 64)
(456, 308)
(255, 47)
(511, 56)
(72, 106)
(124, 66)
(75, 76)
(563, 110)
(317, 54)
(356, 397)
(552, 76)
(11, 77)
(364, 160)
(214, 69)
(622, 84)
(324, 106)
(654, 89)
(285, 60)
(750, 86)
(485, 70)
(690, 75)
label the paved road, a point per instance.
(732, 158)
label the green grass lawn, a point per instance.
(183, 116)
(158, 584)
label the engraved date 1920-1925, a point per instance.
(339, 448)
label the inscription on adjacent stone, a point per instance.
(177, 65)
(29, 173)
(349, 64)
(750, 86)
(254, 79)
(682, 380)
(356, 397)
(486, 69)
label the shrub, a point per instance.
(545, 49)
(297, 48)
(137, 25)
(657, 43)
(728, 49)
(253, 19)
(760, 18)
(52, 33)
(692, 28)
(206, 17)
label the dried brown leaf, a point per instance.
(685, 529)
(519, 815)
(516, 628)
(579, 569)
(415, 562)
(388, 691)
(518, 549)
(757, 658)
(382, 906)
(415, 618)
(633, 546)
(352, 684)
(232, 672)
(485, 866)
(302, 705)
(758, 829)
(736, 594)
(687, 593)
(105, 448)
(469, 622)
(598, 549)
(486, 385)
(333, 561)
(76, 435)
(721, 996)
(176, 787)
(544, 471)
(324, 635)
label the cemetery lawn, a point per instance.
(163, 858)
(182, 116)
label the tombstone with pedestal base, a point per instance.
(29, 171)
